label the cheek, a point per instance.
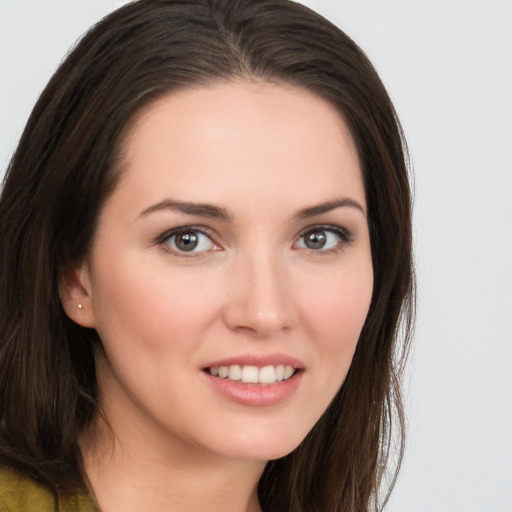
(148, 306)
(337, 308)
(335, 314)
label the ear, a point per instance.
(75, 294)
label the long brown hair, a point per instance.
(65, 167)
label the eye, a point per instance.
(187, 240)
(323, 238)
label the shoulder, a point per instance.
(20, 493)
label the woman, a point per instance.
(206, 258)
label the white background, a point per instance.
(448, 67)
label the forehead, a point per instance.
(258, 139)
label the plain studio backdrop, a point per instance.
(448, 68)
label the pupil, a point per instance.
(315, 239)
(187, 241)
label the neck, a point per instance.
(134, 476)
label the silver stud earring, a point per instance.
(80, 306)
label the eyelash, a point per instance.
(164, 238)
(345, 238)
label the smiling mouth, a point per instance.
(249, 374)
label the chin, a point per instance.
(261, 446)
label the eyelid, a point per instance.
(166, 235)
(345, 235)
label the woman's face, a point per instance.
(236, 243)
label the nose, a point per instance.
(260, 301)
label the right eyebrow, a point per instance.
(320, 209)
(200, 209)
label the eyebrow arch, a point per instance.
(306, 213)
(215, 212)
(199, 209)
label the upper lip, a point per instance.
(259, 360)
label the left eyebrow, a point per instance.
(199, 209)
(319, 209)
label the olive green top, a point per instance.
(20, 493)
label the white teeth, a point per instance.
(288, 372)
(267, 375)
(235, 372)
(250, 374)
(253, 374)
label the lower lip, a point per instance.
(255, 395)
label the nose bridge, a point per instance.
(260, 301)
